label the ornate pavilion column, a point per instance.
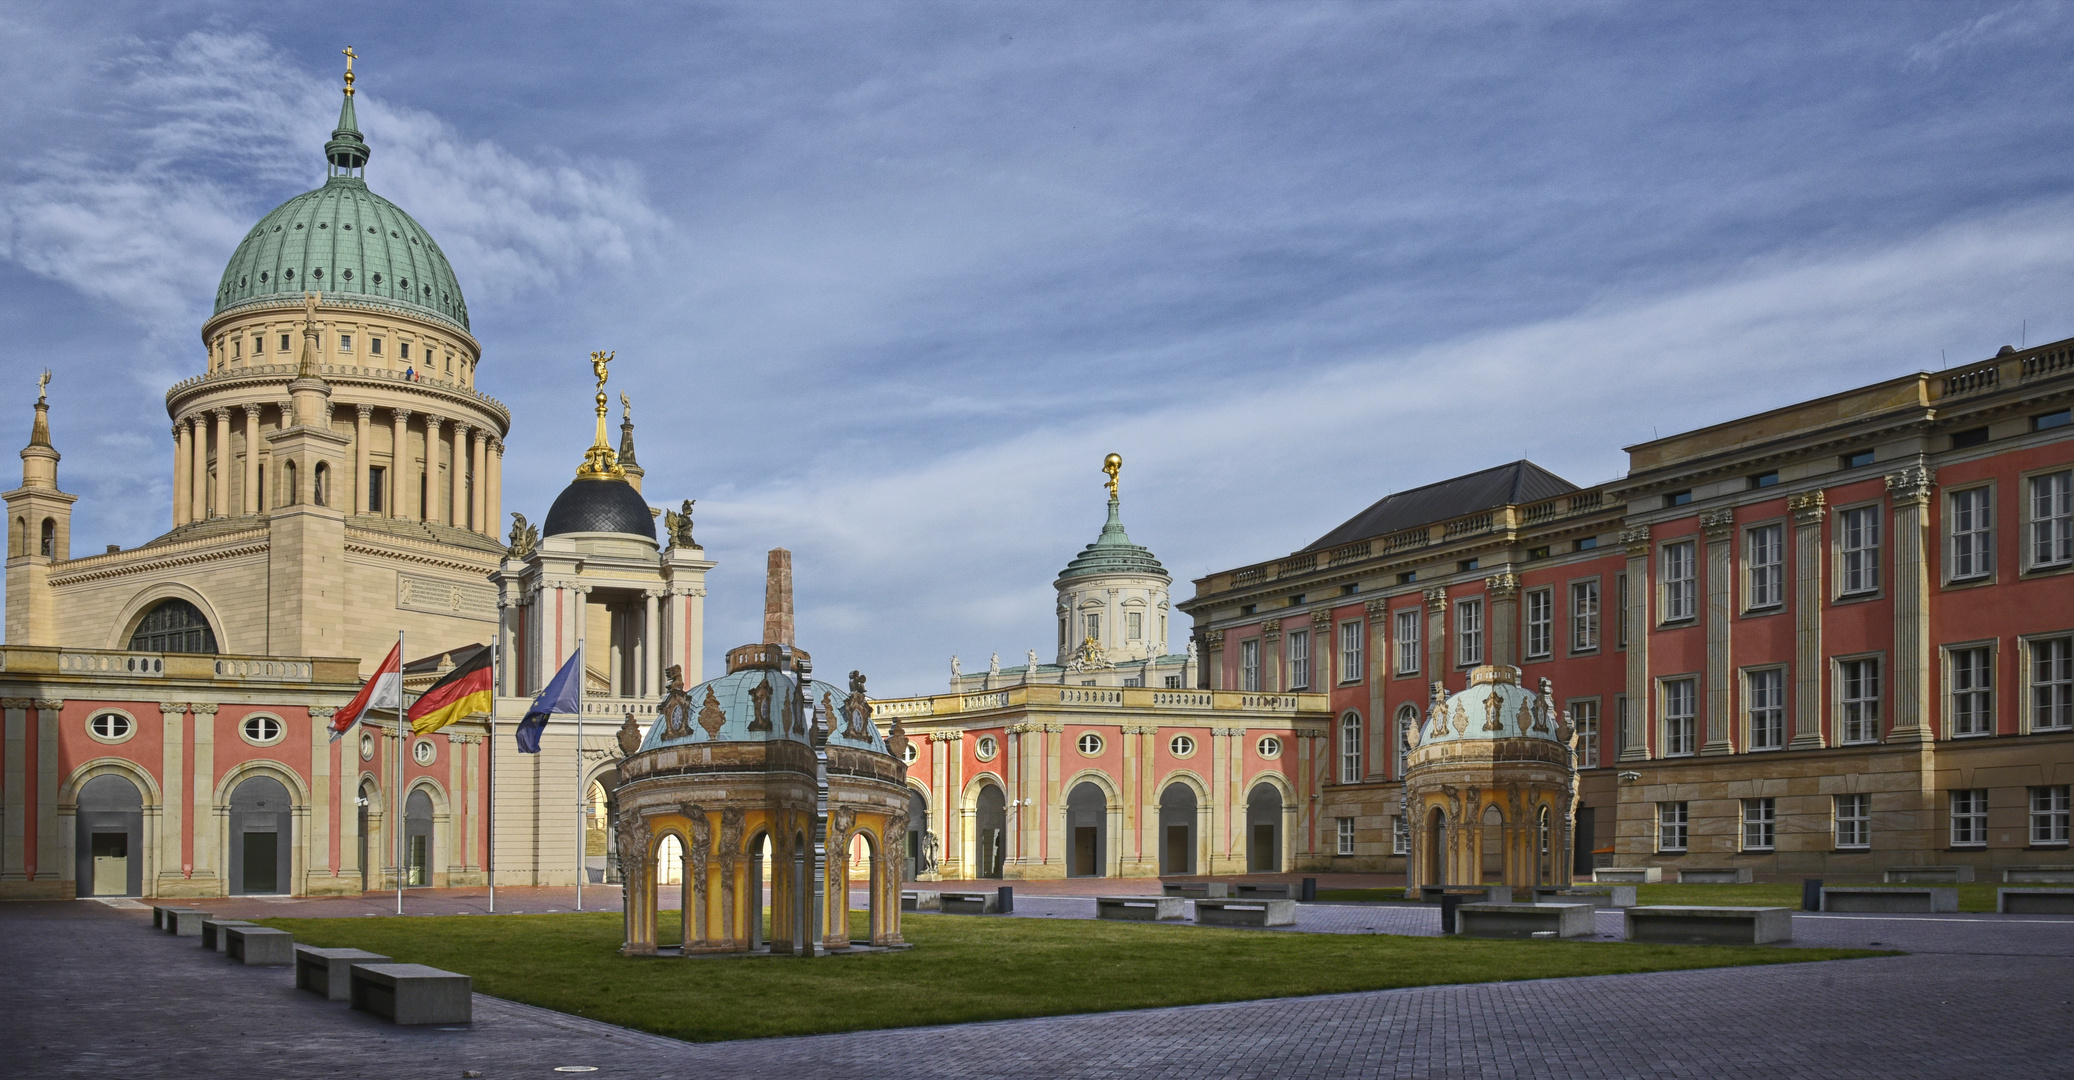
(432, 508)
(458, 475)
(399, 463)
(181, 458)
(363, 475)
(251, 499)
(1808, 662)
(1719, 527)
(219, 500)
(198, 467)
(477, 504)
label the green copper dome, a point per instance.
(345, 241)
(1113, 553)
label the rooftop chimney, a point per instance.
(777, 599)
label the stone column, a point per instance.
(458, 476)
(315, 839)
(1271, 660)
(219, 500)
(1910, 490)
(363, 476)
(14, 844)
(1211, 677)
(1436, 635)
(1719, 735)
(651, 643)
(252, 501)
(493, 520)
(1324, 651)
(1052, 802)
(432, 507)
(477, 502)
(172, 792)
(198, 469)
(1634, 736)
(287, 407)
(1809, 563)
(1381, 727)
(206, 822)
(399, 464)
(182, 457)
(1502, 597)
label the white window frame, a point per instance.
(1584, 616)
(1299, 659)
(2049, 519)
(1969, 540)
(2048, 686)
(1090, 744)
(1858, 550)
(1673, 826)
(1678, 698)
(1587, 715)
(1249, 665)
(1764, 566)
(1764, 708)
(1350, 748)
(1345, 837)
(1351, 651)
(1469, 639)
(1134, 626)
(129, 726)
(1400, 835)
(1859, 719)
(1852, 815)
(1181, 746)
(280, 729)
(1678, 592)
(1969, 679)
(1969, 817)
(1408, 640)
(2049, 815)
(1540, 635)
(1760, 824)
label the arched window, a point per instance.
(288, 492)
(318, 477)
(174, 626)
(48, 545)
(1350, 748)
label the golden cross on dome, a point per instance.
(350, 57)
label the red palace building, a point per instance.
(1835, 637)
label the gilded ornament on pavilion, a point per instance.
(711, 716)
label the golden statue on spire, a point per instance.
(600, 462)
(1113, 464)
(350, 57)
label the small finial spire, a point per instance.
(599, 462)
(777, 598)
(1113, 464)
(350, 57)
(347, 152)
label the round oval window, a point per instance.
(908, 754)
(1090, 744)
(1270, 747)
(423, 752)
(262, 729)
(987, 748)
(109, 727)
(366, 747)
(1181, 745)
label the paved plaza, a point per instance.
(91, 991)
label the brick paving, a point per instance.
(92, 992)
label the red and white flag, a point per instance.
(383, 691)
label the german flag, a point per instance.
(466, 691)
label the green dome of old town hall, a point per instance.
(346, 242)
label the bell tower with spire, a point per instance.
(39, 533)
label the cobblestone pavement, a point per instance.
(93, 992)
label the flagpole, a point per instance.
(397, 794)
(581, 833)
(490, 766)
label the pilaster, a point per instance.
(1719, 526)
(207, 822)
(1501, 592)
(1634, 736)
(14, 781)
(1910, 489)
(1376, 653)
(1809, 664)
(172, 778)
(1436, 634)
(1271, 659)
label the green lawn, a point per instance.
(1973, 896)
(966, 968)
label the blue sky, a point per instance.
(887, 280)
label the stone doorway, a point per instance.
(1087, 822)
(1264, 830)
(261, 840)
(110, 838)
(990, 831)
(1177, 810)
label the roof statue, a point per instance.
(600, 499)
(1112, 552)
(43, 388)
(600, 462)
(677, 523)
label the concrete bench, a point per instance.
(1928, 875)
(970, 903)
(1715, 875)
(259, 946)
(1524, 920)
(1470, 894)
(2039, 875)
(412, 993)
(2035, 901)
(1235, 912)
(1254, 890)
(186, 922)
(1139, 908)
(213, 932)
(162, 917)
(1598, 896)
(1196, 890)
(1628, 875)
(921, 900)
(1874, 898)
(330, 971)
(1671, 925)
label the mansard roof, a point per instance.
(1521, 481)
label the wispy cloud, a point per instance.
(2014, 23)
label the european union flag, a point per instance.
(559, 697)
